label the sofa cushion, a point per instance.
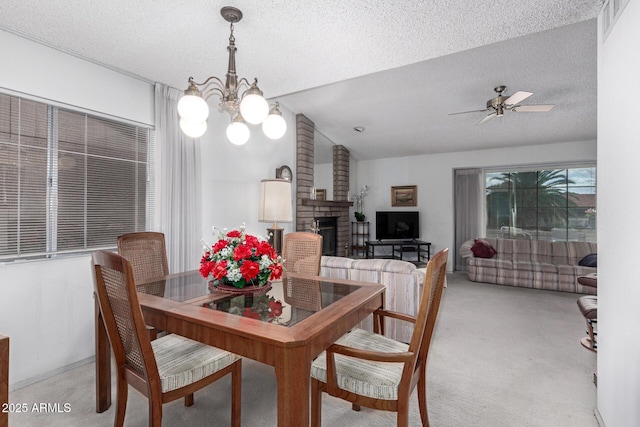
(491, 263)
(541, 251)
(590, 260)
(482, 249)
(390, 265)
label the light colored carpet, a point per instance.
(501, 356)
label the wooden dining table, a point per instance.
(316, 312)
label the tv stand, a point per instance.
(421, 248)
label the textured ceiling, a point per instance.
(395, 67)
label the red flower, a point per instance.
(264, 248)
(219, 269)
(205, 267)
(234, 233)
(220, 245)
(248, 312)
(241, 252)
(275, 308)
(249, 270)
(251, 241)
(276, 271)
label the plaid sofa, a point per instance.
(403, 281)
(538, 264)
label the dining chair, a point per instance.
(369, 369)
(302, 252)
(165, 369)
(147, 253)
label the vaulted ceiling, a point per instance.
(396, 68)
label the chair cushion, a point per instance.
(182, 361)
(588, 306)
(366, 378)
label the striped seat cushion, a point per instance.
(372, 379)
(182, 361)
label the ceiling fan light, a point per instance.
(274, 126)
(193, 108)
(238, 133)
(193, 130)
(254, 108)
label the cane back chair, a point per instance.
(369, 369)
(166, 369)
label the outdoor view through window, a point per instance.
(557, 204)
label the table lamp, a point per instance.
(275, 206)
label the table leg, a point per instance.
(103, 362)
(293, 370)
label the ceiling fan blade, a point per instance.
(465, 112)
(486, 119)
(517, 97)
(533, 108)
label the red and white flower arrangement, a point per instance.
(240, 259)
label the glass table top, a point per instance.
(286, 303)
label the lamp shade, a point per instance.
(275, 201)
(254, 108)
(274, 126)
(193, 130)
(238, 133)
(193, 109)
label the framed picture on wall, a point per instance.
(406, 195)
(321, 194)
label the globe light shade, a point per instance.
(193, 109)
(238, 133)
(274, 126)
(254, 108)
(193, 130)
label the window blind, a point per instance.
(69, 181)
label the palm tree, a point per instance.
(529, 200)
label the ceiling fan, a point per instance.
(500, 103)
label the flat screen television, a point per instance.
(400, 225)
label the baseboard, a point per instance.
(42, 377)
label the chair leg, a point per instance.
(236, 394)
(121, 402)
(188, 400)
(355, 407)
(403, 416)
(589, 342)
(155, 413)
(316, 403)
(422, 399)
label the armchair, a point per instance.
(372, 370)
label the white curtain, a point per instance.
(178, 181)
(468, 209)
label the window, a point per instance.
(69, 181)
(553, 204)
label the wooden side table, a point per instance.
(4, 379)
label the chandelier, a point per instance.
(244, 107)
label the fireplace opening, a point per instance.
(328, 229)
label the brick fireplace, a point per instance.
(308, 210)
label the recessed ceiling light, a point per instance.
(359, 129)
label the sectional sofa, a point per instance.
(538, 264)
(403, 281)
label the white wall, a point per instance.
(618, 230)
(46, 307)
(51, 75)
(323, 178)
(433, 174)
(231, 175)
